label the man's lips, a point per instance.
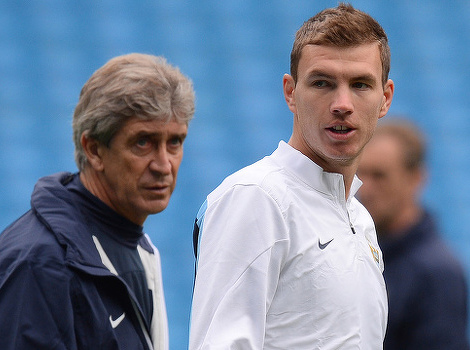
(340, 132)
(340, 129)
(157, 188)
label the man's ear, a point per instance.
(288, 86)
(418, 179)
(93, 152)
(389, 89)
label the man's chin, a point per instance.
(158, 206)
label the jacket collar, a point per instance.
(54, 205)
(331, 184)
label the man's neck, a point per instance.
(347, 168)
(86, 177)
(408, 217)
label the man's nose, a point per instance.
(342, 103)
(160, 161)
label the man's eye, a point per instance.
(361, 86)
(320, 83)
(142, 142)
(176, 141)
(379, 175)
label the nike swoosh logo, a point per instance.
(324, 245)
(117, 321)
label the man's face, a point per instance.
(139, 168)
(388, 186)
(337, 100)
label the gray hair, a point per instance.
(133, 85)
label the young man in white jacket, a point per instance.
(287, 258)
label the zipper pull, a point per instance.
(352, 228)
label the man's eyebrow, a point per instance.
(316, 74)
(181, 135)
(368, 78)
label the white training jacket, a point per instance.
(286, 262)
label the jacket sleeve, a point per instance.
(242, 245)
(35, 310)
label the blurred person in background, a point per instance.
(426, 285)
(77, 270)
(287, 258)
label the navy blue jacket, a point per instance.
(427, 292)
(55, 292)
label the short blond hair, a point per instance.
(342, 26)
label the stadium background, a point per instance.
(236, 52)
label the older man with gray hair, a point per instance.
(77, 270)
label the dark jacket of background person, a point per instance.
(427, 291)
(426, 284)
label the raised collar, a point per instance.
(57, 207)
(313, 175)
